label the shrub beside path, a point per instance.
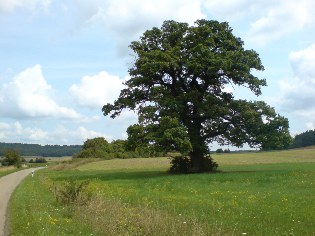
(8, 184)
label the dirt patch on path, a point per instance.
(8, 184)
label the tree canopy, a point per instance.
(12, 157)
(183, 72)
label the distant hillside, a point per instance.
(39, 150)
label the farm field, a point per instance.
(267, 193)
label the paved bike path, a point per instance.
(8, 184)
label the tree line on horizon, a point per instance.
(134, 146)
(41, 150)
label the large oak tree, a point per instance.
(182, 71)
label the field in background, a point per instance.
(288, 156)
(50, 159)
(268, 193)
(242, 158)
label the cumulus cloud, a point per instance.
(297, 94)
(283, 18)
(33, 5)
(95, 91)
(28, 96)
(16, 132)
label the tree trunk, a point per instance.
(200, 162)
(198, 148)
(196, 160)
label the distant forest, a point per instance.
(301, 140)
(39, 150)
(304, 139)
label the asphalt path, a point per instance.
(8, 184)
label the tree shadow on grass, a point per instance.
(110, 175)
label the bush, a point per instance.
(183, 165)
(93, 153)
(12, 157)
(71, 192)
(180, 164)
(208, 165)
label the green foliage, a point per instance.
(208, 164)
(167, 135)
(97, 143)
(183, 164)
(95, 148)
(12, 157)
(304, 139)
(100, 148)
(92, 153)
(181, 71)
(180, 164)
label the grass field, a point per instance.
(269, 193)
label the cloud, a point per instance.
(16, 132)
(270, 20)
(28, 96)
(235, 9)
(129, 15)
(32, 5)
(126, 20)
(282, 19)
(95, 91)
(297, 94)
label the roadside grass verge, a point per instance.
(7, 170)
(138, 197)
(34, 211)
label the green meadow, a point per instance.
(265, 193)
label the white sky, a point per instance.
(61, 61)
